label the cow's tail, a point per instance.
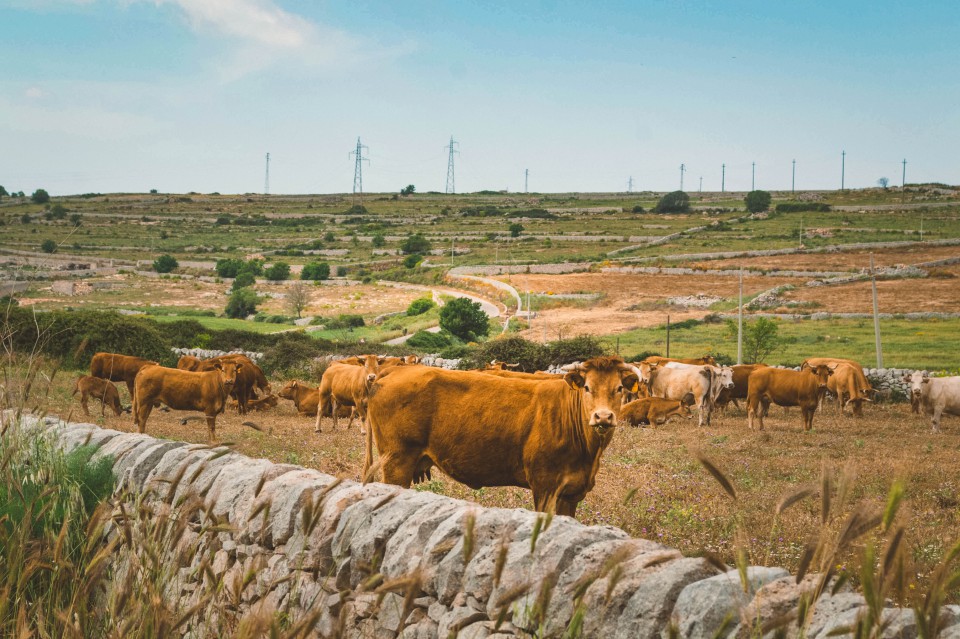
(76, 388)
(368, 449)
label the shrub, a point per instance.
(184, 333)
(58, 212)
(278, 272)
(420, 306)
(800, 207)
(48, 246)
(40, 196)
(345, 321)
(464, 318)
(242, 302)
(530, 355)
(243, 280)
(412, 260)
(757, 201)
(315, 271)
(515, 229)
(416, 243)
(637, 209)
(228, 267)
(760, 339)
(165, 264)
(292, 355)
(675, 202)
(379, 240)
(341, 271)
(576, 349)
(427, 342)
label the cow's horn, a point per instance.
(575, 366)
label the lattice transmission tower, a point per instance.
(358, 171)
(451, 187)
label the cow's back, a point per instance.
(180, 389)
(116, 367)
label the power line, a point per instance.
(358, 171)
(451, 148)
(266, 179)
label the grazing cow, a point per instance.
(118, 368)
(306, 398)
(485, 430)
(845, 382)
(937, 395)
(855, 381)
(674, 380)
(98, 388)
(741, 372)
(784, 387)
(250, 377)
(347, 385)
(184, 390)
(654, 410)
(706, 360)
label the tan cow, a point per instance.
(706, 360)
(741, 372)
(654, 410)
(938, 395)
(785, 387)
(675, 380)
(855, 383)
(98, 388)
(845, 383)
(486, 430)
(250, 377)
(348, 385)
(184, 390)
(306, 398)
(118, 368)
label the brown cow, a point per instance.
(118, 368)
(98, 388)
(348, 385)
(706, 360)
(259, 405)
(654, 410)
(485, 430)
(741, 372)
(856, 384)
(306, 399)
(249, 378)
(845, 383)
(785, 387)
(184, 390)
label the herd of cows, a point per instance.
(543, 431)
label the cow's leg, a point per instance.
(83, 403)
(935, 421)
(753, 403)
(320, 407)
(334, 408)
(130, 387)
(212, 428)
(142, 412)
(807, 414)
(568, 505)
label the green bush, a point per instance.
(229, 267)
(675, 202)
(515, 229)
(465, 319)
(184, 333)
(416, 243)
(379, 241)
(292, 355)
(576, 349)
(800, 207)
(278, 272)
(243, 280)
(40, 196)
(420, 306)
(230, 339)
(427, 342)
(242, 302)
(530, 355)
(165, 264)
(412, 260)
(315, 271)
(757, 201)
(345, 321)
(48, 246)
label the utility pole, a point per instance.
(701, 185)
(876, 314)
(903, 180)
(526, 180)
(358, 171)
(630, 185)
(683, 167)
(668, 335)
(843, 170)
(740, 322)
(451, 147)
(266, 179)
(801, 231)
(753, 176)
(793, 178)
(723, 178)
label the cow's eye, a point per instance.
(619, 389)
(586, 388)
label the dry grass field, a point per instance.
(651, 484)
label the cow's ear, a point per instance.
(925, 380)
(239, 366)
(630, 381)
(575, 379)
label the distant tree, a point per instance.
(243, 280)
(379, 240)
(25, 218)
(153, 191)
(408, 190)
(637, 209)
(278, 272)
(516, 229)
(75, 219)
(58, 211)
(242, 302)
(883, 183)
(416, 243)
(329, 237)
(420, 306)
(228, 267)
(464, 318)
(760, 339)
(675, 202)
(341, 271)
(165, 264)
(315, 271)
(40, 196)
(758, 201)
(298, 297)
(48, 246)
(412, 260)
(3, 192)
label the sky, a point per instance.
(189, 95)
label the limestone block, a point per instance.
(703, 606)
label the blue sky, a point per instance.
(188, 95)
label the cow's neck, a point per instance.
(585, 437)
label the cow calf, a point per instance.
(98, 388)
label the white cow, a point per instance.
(675, 380)
(937, 395)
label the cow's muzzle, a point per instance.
(602, 419)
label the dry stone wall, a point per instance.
(378, 561)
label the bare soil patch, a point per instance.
(893, 296)
(850, 260)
